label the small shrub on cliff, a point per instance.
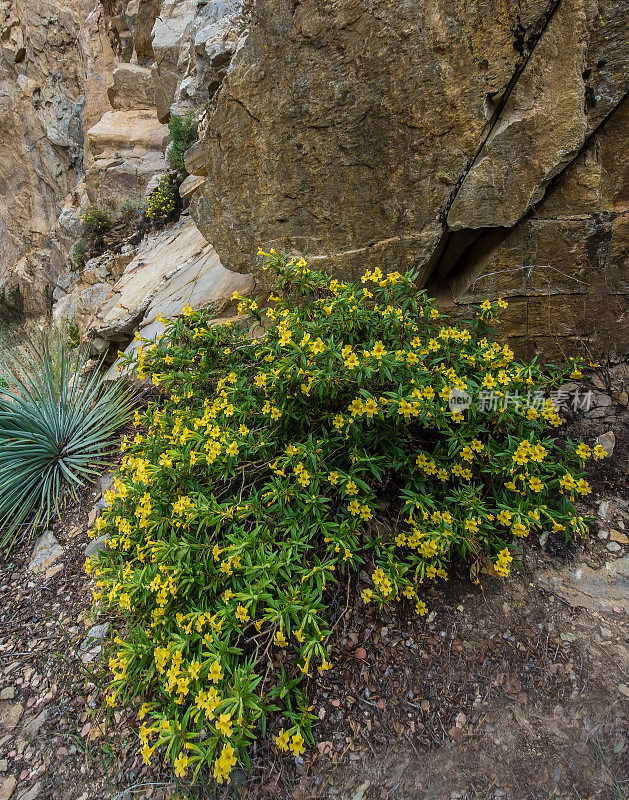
(183, 131)
(95, 221)
(162, 201)
(273, 467)
(56, 428)
(78, 254)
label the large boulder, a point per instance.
(128, 148)
(565, 267)
(408, 134)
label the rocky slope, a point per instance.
(87, 92)
(482, 144)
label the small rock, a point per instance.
(613, 547)
(3, 765)
(93, 516)
(96, 545)
(623, 689)
(603, 509)
(6, 787)
(10, 715)
(455, 733)
(608, 441)
(617, 536)
(105, 483)
(91, 646)
(602, 535)
(8, 693)
(31, 728)
(31, 793)
(606, 633)
(361, 653)
(47, 550)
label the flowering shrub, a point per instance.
(95, 221)
(162, 200)
(271, 467)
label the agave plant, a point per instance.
(57, 425)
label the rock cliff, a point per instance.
(458, 138)
(483, 144)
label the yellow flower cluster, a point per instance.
(162, 200)
(264, 471)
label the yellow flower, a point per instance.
(356, 408)
(354, 508)
(568, 481)
(224, 763)
(504, 518)
(535, 484)
(282, 739)
(216, 672)
(242, 614)
(187, 310)
(297, 744)
(599, 452)
(181, 764)
(223, 725)
(378, 350)
(279, 639)
(519, 530)
(351, 488)
(333, 477)
(583, 451)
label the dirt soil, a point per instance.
(514, 689)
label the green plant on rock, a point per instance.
(162, 201)
(95, 221)
(78, 253)
(183, 132)
(273, 467)
(56, 430)
(72, 335)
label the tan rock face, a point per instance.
(355, 152)
(128, 149)
(398, 134)
(566, 266)
(49, 94)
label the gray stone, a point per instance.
(602, 590)
(31, 794)
(173, 267)
(613, 547)
(8, 693)
(47, 550)
(31, 727)
(92, 644)
(608, 441)
(96, 545)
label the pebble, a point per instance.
(7, 785)
(8, 693)
(608, 441)
(617, 536)
(613, 547)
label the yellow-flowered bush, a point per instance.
(162, 201)
(271, 467)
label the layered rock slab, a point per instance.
(565, 267)
(174, 267)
